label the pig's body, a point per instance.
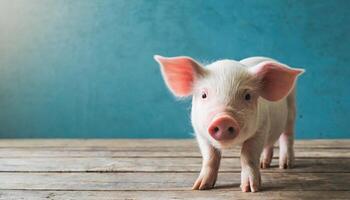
(249, 103)
(280, 120)
(273, 116)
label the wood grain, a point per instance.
(161, 169)
(161, 195)
(105, 164)
(165, 152)
(169, 181)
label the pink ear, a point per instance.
(179, 73)
(277, 79)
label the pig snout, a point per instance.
(223, 127)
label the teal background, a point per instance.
(85, 69)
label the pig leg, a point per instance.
(266, 159)
(286, 150)
(286, 140)
(250, 155)
(210, 165)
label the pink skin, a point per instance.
(221, 125)
(215, 126)
(277, 80)
(224, 127)
(178, 78)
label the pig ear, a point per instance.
(277, 79)
(179, 73)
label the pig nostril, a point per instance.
(216, 129)
(231, 129)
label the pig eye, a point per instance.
(204, 95)
(247, 96)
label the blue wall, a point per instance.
(85, 68)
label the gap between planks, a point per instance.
(152, 195)
(154, 165)
(322, 170)
(169, 181)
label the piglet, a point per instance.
(250, 103)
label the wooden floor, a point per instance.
(161, 169)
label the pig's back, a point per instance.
(252, 61)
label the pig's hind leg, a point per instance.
(286, 140)
(266, 157)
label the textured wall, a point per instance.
(85, 68)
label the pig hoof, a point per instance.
(204, 183)
(245, 188)
(283, 166)
(250, 188)
(250, 183)
(264, 165)
(254, 188)
(266, 158)
(286, 162)
(286, 166)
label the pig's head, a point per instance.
(225, 94)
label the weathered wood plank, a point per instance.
(169, 181)
(42, 152)
(161, 195)
(343, 143)
(160, 169)
(105, 164)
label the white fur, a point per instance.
(263, 124)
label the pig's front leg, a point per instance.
(250, 156)
(210, 165)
